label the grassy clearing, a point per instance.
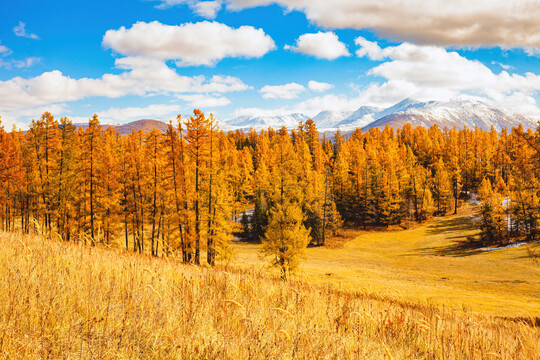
(425, 264)
(63, 301)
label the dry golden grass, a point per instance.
(425, 264)
(67, 301)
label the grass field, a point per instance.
(69, 301)
(426, 264)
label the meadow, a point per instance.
(62, 300)
(426, 263)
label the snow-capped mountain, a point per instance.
(330, 119)
(359, 118)
(262, 122)
(456, 112)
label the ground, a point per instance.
(67, 300)
(425, 264)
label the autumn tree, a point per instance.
(10, 178)
(198, 133)
(286, 237)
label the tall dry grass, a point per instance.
(67, 301)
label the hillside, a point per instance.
(146, 125)
(63, 300)
(426, 264)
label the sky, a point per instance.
(132, 59)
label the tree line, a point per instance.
(179, 192)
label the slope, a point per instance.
(426, 264)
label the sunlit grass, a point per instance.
(425, 264)
(64, 300)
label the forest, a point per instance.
(190, 190)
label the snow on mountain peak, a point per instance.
(459, 112)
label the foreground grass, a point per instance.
(426, 264)
(65, 301)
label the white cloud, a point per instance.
(206, 9)
(203, 101)
(424, 73)
(369, 49)
(20, 30)
(509, 24)
(323, 45)
(135, 113)
(287, 91)
(203, 43)
(11, 117)
(310, 107)
(142, 77)
(28, 62)
(254, 111)
(4, 50)
(319, 86)
(504, 66)
(19, 64)
(434, 73)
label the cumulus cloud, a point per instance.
(142, 77)
(203, 101)
(20, 30)
(190, 44)
(134, 113)
(434, 73)
(10, 118)
(322, 45)
(207, 9)
(369, 49)
(287, 91)
(424, 73)
(509, 24)
(311, 107)
(319, 86)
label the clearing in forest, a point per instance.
(426, 264)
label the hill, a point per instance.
(426, 264)
(146, 125)
(64, 300)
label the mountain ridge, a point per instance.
(455, 112)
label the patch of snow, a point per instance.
(473, 199)
(330, 119)
(514, 245)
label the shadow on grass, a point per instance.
(457, 229)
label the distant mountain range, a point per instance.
(457, 112)
(262, 122)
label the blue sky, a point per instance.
(127, 60)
